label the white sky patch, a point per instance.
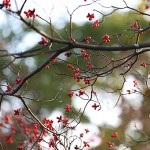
(6, 72)
(123, 147)
(25, 43)
(15, 103)
(5, 107)
(3, 84)
(105, 116)
(135, 125)
(133, 130)
(52, 8)
(30, 39)
(31, 63)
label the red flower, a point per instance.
(78, 79)
(6, 3)
(76, 73)
(21, 147)
(88, 40)
(146, 7)
(26, 131)
(86, 56)
(89, 65)
(86, 81)
(95, 106)
(48, 123)
(18, 80)
(87, 130)
(114, 135)
(56, 138)
(68, 107)
(70, 66)
(17, 111)
(81, 92)
(35, 126)
(9, 89)
(105, 38)
(110, 144)
(135, 83)
(30, 13)
(53, 60)
(86, 144)
(9, 139)
(43, 41)
(1, 124)
(129, 91)
(65, 120)
(83, 52)
(81, 135)
(73, 128)
(76, 147)
(13, 130)
(95, 24)
(134, 25)
(143, 65)
(70, 94)
(59, 118)
(90, 16)
(47, 66)
(8, 119)
(51, 143)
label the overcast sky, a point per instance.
(58, 8)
